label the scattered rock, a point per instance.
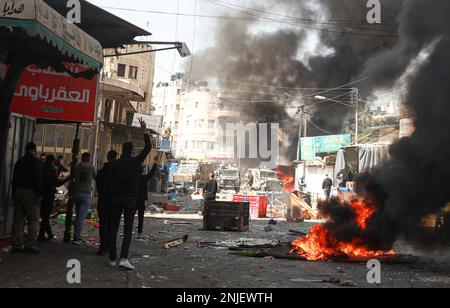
(273, 222)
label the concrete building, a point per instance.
(196, 116)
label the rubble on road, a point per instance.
(300, 233)
(176, 242)
(339, 282)
(241, 243)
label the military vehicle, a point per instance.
(262, 180)
(228, 178)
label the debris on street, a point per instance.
(176, 242)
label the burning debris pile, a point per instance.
(343, 235)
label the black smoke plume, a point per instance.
(240, 58)
(416, 181)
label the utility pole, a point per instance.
(355, 99)
(300, 133)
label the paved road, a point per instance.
(190, 266)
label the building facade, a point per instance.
(196, 117)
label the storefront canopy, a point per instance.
(110, 30)
(38, 20)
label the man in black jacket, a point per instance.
(211, 189)
(50, 181)
(327, 184)
(104, 191)
(125, 174)
(26, 192)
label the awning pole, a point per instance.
(70, 205)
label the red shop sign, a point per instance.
(46, 94)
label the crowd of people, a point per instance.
(122, 189)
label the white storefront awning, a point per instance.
(38, 19)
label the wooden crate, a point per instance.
(226, 216)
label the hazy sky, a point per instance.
(164, 27)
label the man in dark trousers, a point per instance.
(143, 197)
(104, 191)
(50, 181)
(26, 192)
(211, 189)
(125, 174)
(326, 186)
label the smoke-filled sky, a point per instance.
(290, 44)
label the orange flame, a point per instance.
(287, 176)
(320, 244)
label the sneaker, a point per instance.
(113, 263)
(51, 237)
(41, 239)
(31, 251)
(125, 264)
(79, 242)
(140, 236)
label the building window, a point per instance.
(50, 136)
(178, 91)
(187, 124)
(178, 107)
(61, 136)
(200, 123)
(211, 123)
(38, 135)
(196, 104)
(176, 125)
(121, 68)
(133, 72)
(70, 137)
(195, 124)
(185, 145)
(84, 138)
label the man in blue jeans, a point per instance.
(82, 186)
(125, 174)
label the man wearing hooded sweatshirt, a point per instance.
(125, 174)
(104, 201)
(82, 187)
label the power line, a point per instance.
(319, 128)
(176, 34)
(193, 40)
(296, 18)
(353, 24)
(238, 18)
(257, 18)
(294, 88)
(298, 25)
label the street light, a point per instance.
(356, 99)
(181, 47)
